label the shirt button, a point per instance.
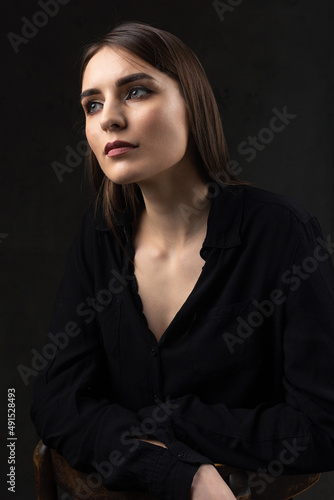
(154, 352)
(181, 455)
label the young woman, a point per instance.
(194, 323)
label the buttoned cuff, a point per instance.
(172, 478)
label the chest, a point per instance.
(164, 286)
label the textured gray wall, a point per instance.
(261, 57)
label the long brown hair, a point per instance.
(167, 53)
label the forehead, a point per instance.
(110, 64)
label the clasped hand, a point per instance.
(209, 485)
(207, 482)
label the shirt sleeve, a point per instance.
(296, 435)
(72, 409)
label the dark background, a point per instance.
(263, 55)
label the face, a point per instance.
(136, 118)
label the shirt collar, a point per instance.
(224, 221)
(225, 217)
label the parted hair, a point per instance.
(167, 53)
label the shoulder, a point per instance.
(96, 241)
(87, 226)
(277, 220)
(271, 205)
(87, 233)
(264, 210)
(92, 222)
(250, 213)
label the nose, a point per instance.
(112, 116)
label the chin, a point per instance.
(123, 178)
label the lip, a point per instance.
(117, 148)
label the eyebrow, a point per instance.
(119, 83)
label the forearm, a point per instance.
(254, 438)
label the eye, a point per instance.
(92, 106)
(138, 92)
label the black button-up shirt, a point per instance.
(243, 375)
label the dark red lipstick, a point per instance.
(118, 147)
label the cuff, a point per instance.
(172, 478)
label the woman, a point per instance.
(194, 321)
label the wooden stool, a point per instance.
(52, 470)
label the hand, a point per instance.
(209, 485)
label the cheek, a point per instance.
(91, 136)
(168, 125)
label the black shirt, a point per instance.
(243, 375)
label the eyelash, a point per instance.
(88, 104)
(139, 87)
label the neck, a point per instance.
(176, 209)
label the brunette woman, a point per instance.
(194, 323)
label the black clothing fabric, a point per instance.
(243, 375)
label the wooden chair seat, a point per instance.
(52, 470)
